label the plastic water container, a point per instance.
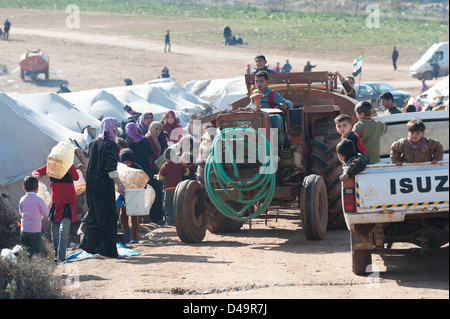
(80, 184)
(60, 159)
(139, 201)
(132, 178)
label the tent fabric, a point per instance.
(57, 109)
(51, 128)
(24, 145)
(219, 93)
(98, 103)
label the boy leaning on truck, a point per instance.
(354, 162)
(416, 148)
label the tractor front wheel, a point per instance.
(314, 207)
(189, 211)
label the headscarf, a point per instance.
(170, 127)
(152, 127)
(108, 129)
(142, 127)
(133, 135)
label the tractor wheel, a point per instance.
(219, 223)
(189, 212)
(324, 162)
(314, 207)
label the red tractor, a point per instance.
(228, 192)
(32, 63)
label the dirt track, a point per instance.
(273, 261)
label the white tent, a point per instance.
(52, 128)
(24, 145)
(97, 103)
(54, 107)
(219, 93)
(136, 102)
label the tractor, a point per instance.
(266, 158)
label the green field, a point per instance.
(290, 30)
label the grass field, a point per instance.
(291, 30)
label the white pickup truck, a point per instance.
(410, 203)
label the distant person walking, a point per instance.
(6, 28)
(167, 42)
(394, 58)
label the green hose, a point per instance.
(263, 181)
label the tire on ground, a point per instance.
(324, 162)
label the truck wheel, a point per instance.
(324, 162)
(46, 74)
(314, 207)
(188, 212)
(360, 258)
(427, 75)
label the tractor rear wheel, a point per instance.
(314, 207)
(189, 211)
(324, 162)
(219, 223)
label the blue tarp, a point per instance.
(121, 250)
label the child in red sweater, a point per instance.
(171, 173)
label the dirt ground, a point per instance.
(268, 261)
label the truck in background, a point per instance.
(423, 68)
(410, 203)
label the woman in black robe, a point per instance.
(101, 175)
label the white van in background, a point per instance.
(423, 68)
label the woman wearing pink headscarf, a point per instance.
(172, 127)
(101, 175)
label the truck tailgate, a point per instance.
(409, 188)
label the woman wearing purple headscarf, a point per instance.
(101, 175)
(144, 122)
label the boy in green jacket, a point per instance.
(369, 130)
